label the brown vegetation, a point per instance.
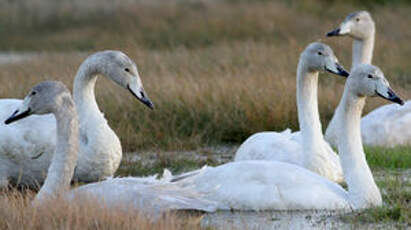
(17, 213)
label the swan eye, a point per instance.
(357, 19)
(370, 76)
(320, 53)
(127, 69)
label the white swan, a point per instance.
(306, 148)
(261, 185)
(26, 148)
(137, 193)
(377, 128)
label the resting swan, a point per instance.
(262, 185)
(306, 148)
(53, 97)
(377, 127)
(27, 147)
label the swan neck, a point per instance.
(362, 51)
(308, 115)
(64, 160)
(363, 191)
(84, 84)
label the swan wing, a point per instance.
(146, 195)
(266, 185)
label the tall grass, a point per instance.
(17, 213)
(217, 71)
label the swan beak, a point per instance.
(391, 96)
(337, 69)
(17, 116)
(333, 33)
(343, 29)
(141, 96)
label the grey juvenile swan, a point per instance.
(150, 197)
(27, 147)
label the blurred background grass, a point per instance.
(217, 70)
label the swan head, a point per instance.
(122, 70)
(320, 57)
(368, 80)
(358, 25)
(45, 97)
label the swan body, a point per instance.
(267, 185)
(147, 195)
(379, 130)
(262, 185)
(375, 129)
(306, 148)
(27, 147)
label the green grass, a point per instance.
(396, 195)
(389, 158)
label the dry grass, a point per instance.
(217, 71)
(17, 213)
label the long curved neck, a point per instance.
(363, 191)
(83, 91)
(64, 160)
(362, 51)
(308, 115)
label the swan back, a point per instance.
(320, 57)
(358, 25)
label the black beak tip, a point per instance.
(11, 118)
(344, 73)
(150, 105)
(335, 32)
(16, 116)
(147, 102)
(399, 101)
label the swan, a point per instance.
(306, 148)
(143, 194)
(27, 147)
(263, 185)
(377, 127)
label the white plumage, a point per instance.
(263, 185)
(376, 128)
(305, 148)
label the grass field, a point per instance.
(217, 71)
